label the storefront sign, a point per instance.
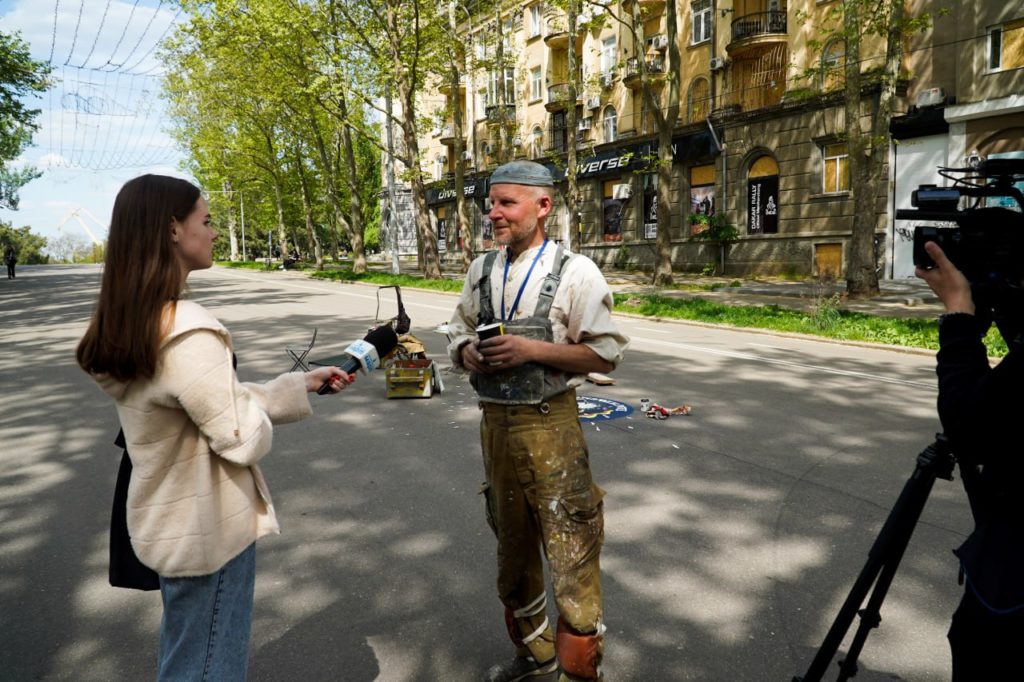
(474, 189)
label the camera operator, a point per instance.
(980, 409)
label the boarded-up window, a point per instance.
(698, 100)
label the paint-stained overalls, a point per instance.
(541, 497)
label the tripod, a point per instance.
(935, 461)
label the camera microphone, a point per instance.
(365, 355)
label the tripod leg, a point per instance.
(883, 560)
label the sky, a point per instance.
(103, 122)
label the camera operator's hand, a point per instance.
(948, 283)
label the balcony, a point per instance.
(556, 33)
(651, 8)
(558, 97)
(759, 24)
(498, 114)
(653, 66)
(448, 134)
(445, 87)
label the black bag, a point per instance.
(125, 568)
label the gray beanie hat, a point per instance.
(522, 173)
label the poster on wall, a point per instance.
(702, 203)
(442, 243)
(612, 220)
(651, 214)
(763, 205)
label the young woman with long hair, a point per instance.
(197, 501)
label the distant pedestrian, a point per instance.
(197, 501)
(10, 258)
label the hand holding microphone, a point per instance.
(323, 380)
(362, 355)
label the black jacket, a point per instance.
(981, 411)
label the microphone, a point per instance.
(365, 355)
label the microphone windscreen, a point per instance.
(383, 338)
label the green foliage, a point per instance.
(709, 269)
(841, 324)
(29, 247)
(20, 77)
(717, 230)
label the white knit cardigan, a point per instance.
(195, 434)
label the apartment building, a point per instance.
(759, 140)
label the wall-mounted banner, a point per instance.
(590, 408)
(763, 205)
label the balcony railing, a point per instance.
(759, 24)
(500, 113)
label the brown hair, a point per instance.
(141, 275)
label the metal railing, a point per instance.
(759, 24)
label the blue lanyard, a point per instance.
(522, 287)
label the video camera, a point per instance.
(987, 244)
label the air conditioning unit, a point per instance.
(594, 102)
(607, 79)
(622, 191)
(441, 158)
(586, 123)
(467, 155)
(932, 97)
(517, 141)
(717, 63)
(658, 42)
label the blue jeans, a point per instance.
(204, 632)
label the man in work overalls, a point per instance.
(554, 310)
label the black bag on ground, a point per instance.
(125, 568)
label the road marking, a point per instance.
(739, 355)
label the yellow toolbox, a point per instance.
(414, 378)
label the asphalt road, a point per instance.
(733, 534)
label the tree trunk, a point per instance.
(307, 211)
(572, 196)
(232, 223)
(355, 201)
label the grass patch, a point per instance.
(384, 279)
(827, 321)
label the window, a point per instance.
(833, 59)
(609, 56)
(995, 48)
(535, 84)
(836, 168)
(1006, 46)
(612, 209)
(702, 197)
(610, 124)
(494, 83)
(535, 20)
(701, 20)
(698, 100)
(559, 140)
(537, 143)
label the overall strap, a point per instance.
(486, 315)
(550, 284)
